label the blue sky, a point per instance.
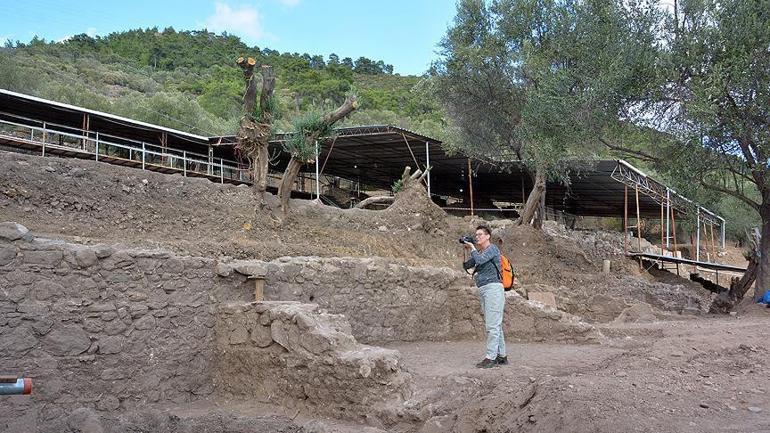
(403, 33)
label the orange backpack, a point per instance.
(506, 273)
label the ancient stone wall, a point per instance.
(101, 327)
(290, 354)
(387, 302)
(108, 328)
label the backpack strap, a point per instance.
(499, 275)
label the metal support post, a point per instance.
(144, 153)
(668, 218)
(470, 184)
(427, 164)
(697, 237)
(221, 171)
(97, 147)
(317, 174)
(661, 233)
(722, 234)
(625, 220)
(638, 227)
(184, 163)
(211, 161)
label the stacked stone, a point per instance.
(100, 327)
(387, 302)
(291, 354)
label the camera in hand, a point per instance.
(467, 238)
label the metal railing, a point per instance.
(112, 149)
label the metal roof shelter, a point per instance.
(26, 108)
(373, 155)
(376, 155)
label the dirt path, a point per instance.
(703, 375)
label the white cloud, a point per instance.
(244, 21)
(91, 31)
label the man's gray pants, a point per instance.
(492, 297)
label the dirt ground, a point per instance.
(662, 366)
(700, 375)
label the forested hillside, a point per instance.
(188, 80)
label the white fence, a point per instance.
(59, 139)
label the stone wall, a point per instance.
(386, 302)
(102, 327)
(293, 355)
(110, 328)
(114, 329)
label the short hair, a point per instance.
(485, 228)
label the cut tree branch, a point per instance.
(375, 200)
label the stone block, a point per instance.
(546, 298)
(146, 322)
(11, 231)
(100, 308)
(239, 335)
(85, 258)
(16, 342)
(224, 270)
(47, 289)
(173, 266)
(67, 341)
(46, 259)
(250, 268)
(261, 336)
(7, 254)
(111, 345)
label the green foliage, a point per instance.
(539, 81)
(173, 110)
(718, 81)
(137, 72)
(15, 76)
(310, 125)
(397, 186)
(221, 92)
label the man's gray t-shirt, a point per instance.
(487, 263)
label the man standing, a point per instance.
(486, 260)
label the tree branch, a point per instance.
(350, 104)
(268, 86)
(754, 205)
(638, 154)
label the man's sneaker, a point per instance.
(501, 360)
(486, 363)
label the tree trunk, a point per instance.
(284, 191)
(287, 181)
(726, 301)
(763, 270)
(254, 134)
(260, 174)
(540, 215)
(533, 201)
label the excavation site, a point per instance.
(137, 301)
